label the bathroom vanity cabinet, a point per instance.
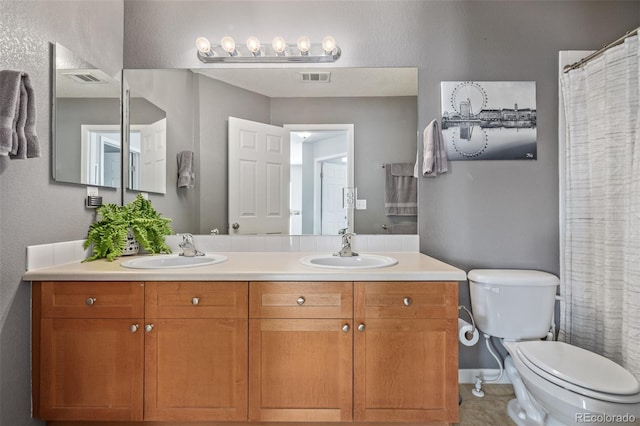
(245, 351)
(88, 350)
(105, 350)
(266, 342)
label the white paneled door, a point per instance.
(259, 162)
(153, 154)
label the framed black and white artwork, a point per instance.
(489, 120)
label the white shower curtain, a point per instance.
(600, 272)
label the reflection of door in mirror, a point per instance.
(333, 180)
(147, 156)
(258, 178)
(147, 132)
(276, 188)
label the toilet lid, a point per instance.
(580, 367)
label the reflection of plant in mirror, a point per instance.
(109, 235)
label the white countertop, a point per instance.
(255, 266)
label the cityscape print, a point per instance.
(489, 120)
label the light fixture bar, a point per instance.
(301, 52)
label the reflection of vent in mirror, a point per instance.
(315, 77)
(83, 77)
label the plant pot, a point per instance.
(132, 246)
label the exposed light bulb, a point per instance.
(304, 44)
(253, 44)
(228, 45)
(279, 45)
(203, 45)
(328, 44)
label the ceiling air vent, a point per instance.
(315, 77)
(83, 77)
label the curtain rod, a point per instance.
(597, 53)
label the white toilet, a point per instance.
(555, 383)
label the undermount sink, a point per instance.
(362, 261)
(172, 261)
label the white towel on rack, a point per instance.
(434, 154)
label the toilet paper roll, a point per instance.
(465, 336)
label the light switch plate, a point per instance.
(92, 191)
(361, 204)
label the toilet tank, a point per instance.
(513, 304)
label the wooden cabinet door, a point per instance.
(405, 370)
(300, 370)
(196, 369)
(91, 369)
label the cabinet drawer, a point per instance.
(301, 300)
(196, 299)
(92, 299)
(406, 299)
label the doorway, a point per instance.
(321, 169)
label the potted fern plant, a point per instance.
(108, 236)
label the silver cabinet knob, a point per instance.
(91, 300)
(346, 328)
(407, 301)
(195, 301)
(134, 327)
(148, 328)
(361, 327)
(301, 300)
(235, 225)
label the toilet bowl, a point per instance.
(555, 383)
(559, 384)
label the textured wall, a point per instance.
(33, 210)
(482, 213)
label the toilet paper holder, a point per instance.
(473, 322)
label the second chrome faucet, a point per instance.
(188, 247)
(345, 250)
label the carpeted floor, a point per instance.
(488, 411)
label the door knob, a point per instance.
(346, 328)
(134, 327)
(301, 300)
(148, 328)
(407, 301)
(361, 327)
(91, 300)
(195, 301)
(235, 225)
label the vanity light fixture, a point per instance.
(278, 51)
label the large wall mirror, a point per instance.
(340, 122)
(85, 122)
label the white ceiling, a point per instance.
(271, 82)
(345, 82)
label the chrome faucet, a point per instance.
(345, 251)
(188, 246)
